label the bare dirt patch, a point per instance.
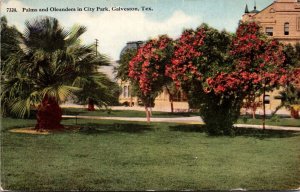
(32, 130)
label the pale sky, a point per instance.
(115, 28)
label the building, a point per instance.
(280, 20)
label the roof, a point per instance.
(246, 9)
(131, 45)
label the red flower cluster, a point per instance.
(183, 66)
(148, 66)
(257, 62)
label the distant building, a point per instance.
(280, 20)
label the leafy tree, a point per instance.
(147, 69)
(51, 66)
(218, 71)
(290, 95)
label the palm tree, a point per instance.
(51, 65)
(98, 90)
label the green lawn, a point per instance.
(279, 121)
(108, 155)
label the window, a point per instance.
(267, 99)
(125, 92)
(269, 31)
(286, 28)
(298, 23)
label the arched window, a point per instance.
(286, 28)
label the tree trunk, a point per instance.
(49, 115)
(171, 100)
(253, 114)
(172, 106)
(91, 105)
(147, 114)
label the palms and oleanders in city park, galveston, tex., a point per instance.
(50, 66)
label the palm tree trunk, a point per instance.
(91, 104)
(49, 115)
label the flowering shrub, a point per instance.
(219, 70)
(148, 66)
(216, 69)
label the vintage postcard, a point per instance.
(150, 95)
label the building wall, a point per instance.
(275, 16)
(162, 102)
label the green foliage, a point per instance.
(290, 95)
(122, 69)
(275, 118)
(292, 55)
(100, 88)
(10, 38)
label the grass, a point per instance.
(116, 155)
(275, 120)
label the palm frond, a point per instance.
(60, 92)
(74, 34)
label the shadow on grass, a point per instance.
(268, 116)
(261, 134)
(94, 128)
(188, 128)
(175, 114)
(244, 132)
(74, 111)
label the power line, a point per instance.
(96, 46)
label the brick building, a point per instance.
(280, 20)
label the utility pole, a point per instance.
(96, 46)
